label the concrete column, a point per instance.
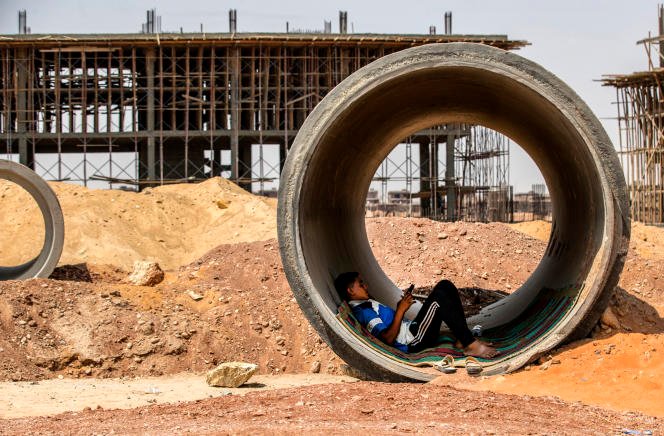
(243, 163)
(425, 175)
(26, 157)
(151, 148)
(450, 178)
(235, 112)
(433, 185)
(283, 152)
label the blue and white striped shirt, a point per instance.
(377, 317)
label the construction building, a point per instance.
(640, 102)
(152, 108)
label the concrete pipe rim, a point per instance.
(450, 83)
(45, 262)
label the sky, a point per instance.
(579, 41)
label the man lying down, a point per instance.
(391, 327)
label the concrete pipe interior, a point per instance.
(337, 151)
(47, 259)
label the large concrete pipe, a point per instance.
(46, 261)
(338, 149)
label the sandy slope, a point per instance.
(173, 225)
(620, 370)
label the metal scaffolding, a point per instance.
(475, 187)
(136, 110)
(483, 164)
(640, 98)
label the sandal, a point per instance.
(473, 366)
(446, 365)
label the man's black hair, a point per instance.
(343, 281)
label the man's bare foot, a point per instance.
(480, 349)
(459, 345)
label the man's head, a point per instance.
(350, 286)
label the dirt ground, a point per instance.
(87, 323)
(48, 397)
(349, 408)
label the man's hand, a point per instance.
(390, 334)
(404, 304)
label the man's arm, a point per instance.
(390, 333)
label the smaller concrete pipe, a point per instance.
(44, 264)
(327, 173)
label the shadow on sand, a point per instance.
(635, 315)
(73, 273)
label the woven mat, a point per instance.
(540, 316)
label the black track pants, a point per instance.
(443, 304)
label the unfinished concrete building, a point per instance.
(640, 102)
(475, 187)
(153, 108)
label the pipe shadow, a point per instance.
(634, 314)
(254, 385)
(82, 272)
(72, 273)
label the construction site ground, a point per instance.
(86, 352)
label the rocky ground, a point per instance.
(234, 303)
(89, 322)
(106, 328)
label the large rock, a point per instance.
(610, 319)
(231, 374)
(146, 274)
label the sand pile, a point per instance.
(21, 225)
(233, 303)
(618, 372)
(173, 225)
(537, 229)
(488, 256)
(646, 241)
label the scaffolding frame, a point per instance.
(138, 110)
(483, 164)
(639, 101)
(476, 188)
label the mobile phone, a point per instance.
(410, 289)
